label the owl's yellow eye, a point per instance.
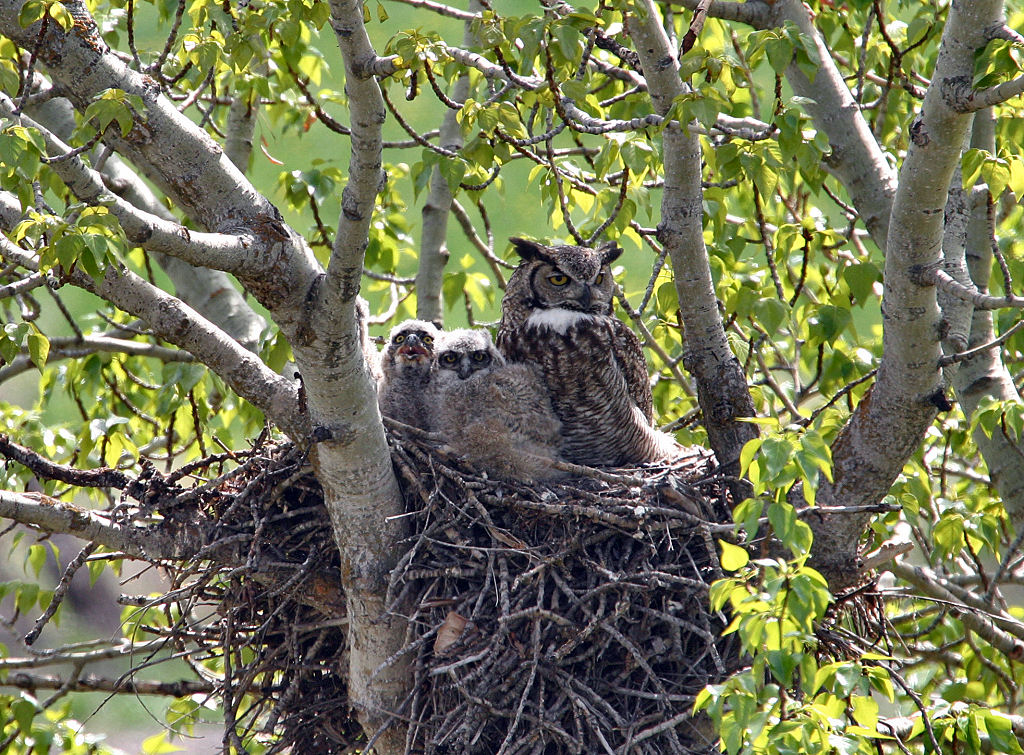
(449, 357)
(600, 279)
(399, 338)
(428, 340)
(479, 356)
(558, 280)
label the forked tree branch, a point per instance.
(173, 321)
(721, 386)
(170, 149)
(209, 292)
(220, 251)
(889, 424)
(983, 375)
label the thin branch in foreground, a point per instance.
(984, 626)
(441, 9)
(839, 394)
(94, 683)
(39, 465)
(970, 293)
(407, 127)
(60, 592)
(961, 356)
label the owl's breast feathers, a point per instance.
(557, 319)
(597, 381)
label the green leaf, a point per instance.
(971, 164)
(782, 517)
(734, 557)
(37, 558)
(61, 15)
(782, 664)
(780, 54)
(750, 449)
(38, 349)
(828, 323)
(568, 41)
(996, 173)
(452, 288)
(158, 744)
(453, 170)
(1000, 733)
(861, 279)
(776, 452)
(948, 534)
(748, 513)
(27, 596)
(24, 711)
(30, 12)
(770, 313)
(96, 568)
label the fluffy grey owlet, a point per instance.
(495, 415)
(406, 364)
(556, 316)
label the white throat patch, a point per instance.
(559, 320)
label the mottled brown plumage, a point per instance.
(557, 317)
(495, 415)
(406, 365)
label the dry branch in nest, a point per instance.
(567, 618)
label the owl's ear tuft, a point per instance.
(528, 250)
(609, 252)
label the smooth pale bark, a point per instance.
(354, 465)
(890, 422)
(855, 157)
(241, 124)
(51, 515)
(433, 246)
(209, 292)
(721, 385)
(174, 321)
(956, 312)
(984, 376)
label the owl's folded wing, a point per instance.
(630, 357)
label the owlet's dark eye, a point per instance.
(600, 279)
(558, 279)
(449, 357)
(400, 338)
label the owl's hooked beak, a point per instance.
(465, 369)
(413, 350)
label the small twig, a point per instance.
(59, 593)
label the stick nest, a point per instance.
(563, 618)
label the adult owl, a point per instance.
(495, 415)
(557, 317)
(406, 365)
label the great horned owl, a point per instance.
(557, 316)
(496, 415)
(406, 364)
